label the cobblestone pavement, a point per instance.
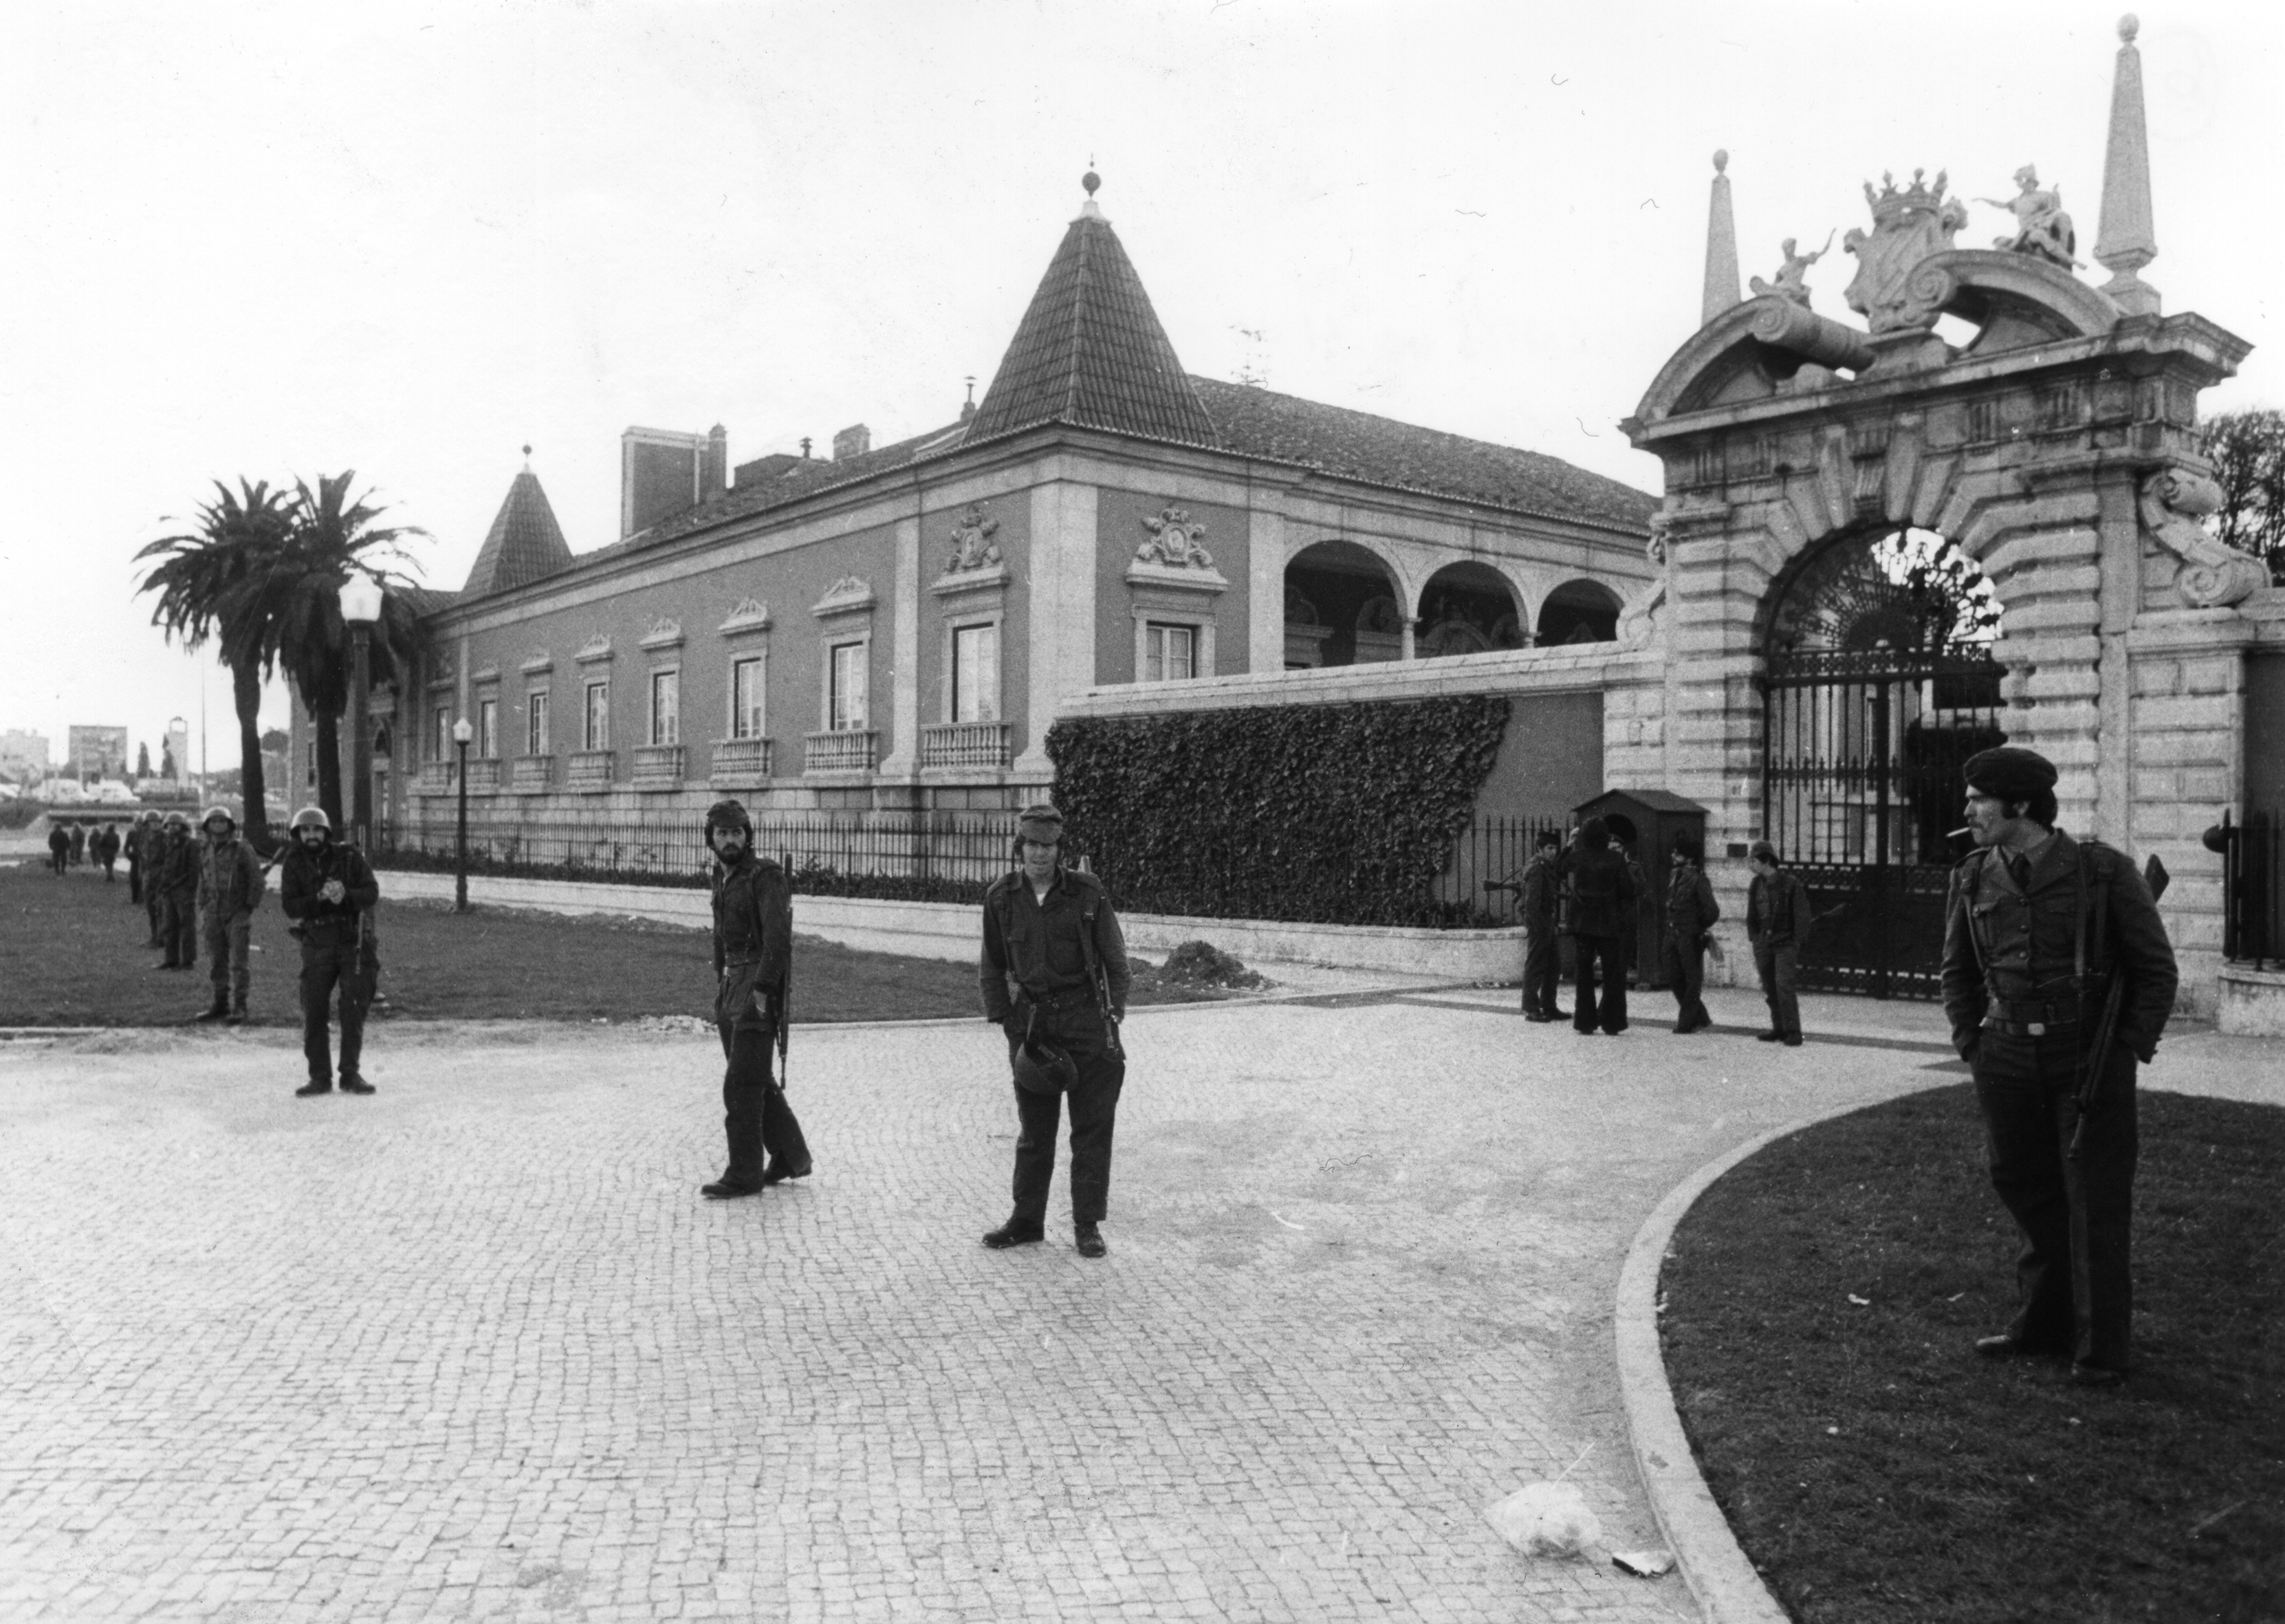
(474, 1348)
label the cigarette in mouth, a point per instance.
(1968, 828)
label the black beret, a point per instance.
(2010, 772)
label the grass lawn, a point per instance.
(1879, 1472)
(71, 954)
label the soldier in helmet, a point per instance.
(329, 891)
(2035, 927)
(753, 957)
(179, 894)
(230, 883)
(1054, 976)
(151, 851)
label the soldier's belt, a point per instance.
(2029, 1017)
(1063, 1000)
(739, 960)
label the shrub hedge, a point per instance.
(1320, 815)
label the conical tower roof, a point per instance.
(524, 544)
(1090, 352)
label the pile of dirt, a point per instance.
(1201, 964)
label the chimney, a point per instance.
(854, 441)
(717, 477)
(662, 472)
(968, 406)
(804, 448)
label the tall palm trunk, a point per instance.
(329, 764)
(246, 693)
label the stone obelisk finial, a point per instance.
(2127, 242)
(1721, 246)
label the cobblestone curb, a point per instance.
(1728, 1587)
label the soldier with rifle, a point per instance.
(753, 962)
(1054, 979)
(328, 890)
(2058, 978)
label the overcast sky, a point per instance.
(277, 241)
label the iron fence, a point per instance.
(1481, 886)
(2253, 898)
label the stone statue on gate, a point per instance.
(2042, 229)
(1792, 279)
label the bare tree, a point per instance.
(2247, 449)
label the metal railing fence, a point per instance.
(2253, 887)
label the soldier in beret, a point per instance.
(1054, 974)
(2035, 927)
(753, 957)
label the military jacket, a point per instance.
(1602, 884)
(178, 868)
(1039, 944)
(1777, 910)
(753, 934)
(1691, 909)
(301, 890)
(231, 882)
(1542, 880)
(2015, 946)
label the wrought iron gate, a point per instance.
(1879, 684)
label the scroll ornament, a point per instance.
(2213, 575)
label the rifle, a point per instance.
(2106, 1032)
(784, 989)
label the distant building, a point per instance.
(98, 752)
(23, 754)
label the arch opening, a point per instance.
(1579, 611)
(1468, 607)
(1340, 607)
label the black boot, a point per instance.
(215, 1011)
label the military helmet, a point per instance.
(1042, 1068)
(175, 821)
(222, 812)
(311, 818)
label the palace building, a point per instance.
(896, 627)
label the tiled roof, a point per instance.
(525, 542)
(1383, 452)
(428, 600)
(1090, 352)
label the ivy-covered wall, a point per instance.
(1329, 815)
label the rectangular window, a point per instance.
(746, 698)
(598, 733)
(443, 733)
(846, 701)
(666, 707)
(976, 674)
(1168, 654)
(488, 728)
(535, 724)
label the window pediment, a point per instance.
(596, 648)
(750, 614)
(849, 595)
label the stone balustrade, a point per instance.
(741, 764)
(589, 771)
(964, 744)
(658, 766)
(532, 774)
(840, 752)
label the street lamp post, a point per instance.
(461, 734)
(360, 608)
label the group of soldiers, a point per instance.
(201, 887)
(74, 843)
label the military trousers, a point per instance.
(1612, 1010)
(1079, 1032)
(327, 964)
(756, 1120)
(228, 944)
(1540, 971)
(1683, 963)
(134, 881)
(2073, 1281)
(1778, 964)
(178, 928)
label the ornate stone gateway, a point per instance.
(1879, 684)
(1850, 505)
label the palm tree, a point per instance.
(331, 534)
(203, 585)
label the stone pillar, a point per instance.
(903, 759)
(1264, 584)
(1061, 662)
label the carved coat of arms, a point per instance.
(972, 546)
(1174, 541)
(1908, 226)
